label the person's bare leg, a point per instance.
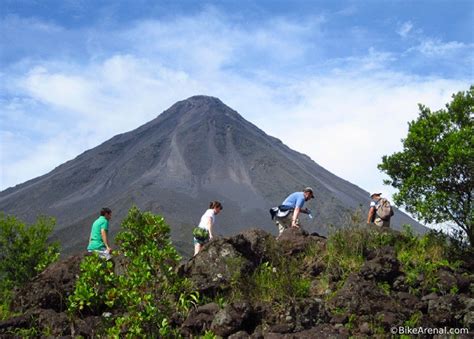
(197, 248)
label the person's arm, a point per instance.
(209, 227)
(103, 234)
(371, 214)
(298, 209)
(296, 213)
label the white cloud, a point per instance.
(347, 124)
(334, 115)
(428, 49)
(436, 47)
(405, 29)
(107, 91)
(37, 158)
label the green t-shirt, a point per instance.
(95, 242)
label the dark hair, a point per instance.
(105, 211)
(215, 204)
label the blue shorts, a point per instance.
(200, 242)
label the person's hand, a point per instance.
(294, 224)
(109, 250)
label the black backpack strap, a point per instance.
(285, 208)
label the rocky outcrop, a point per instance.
(377, 293)
(212, 270)
(50, 289)
(43, 303)
(199, 319)
(368, 301)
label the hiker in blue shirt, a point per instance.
(294, 204)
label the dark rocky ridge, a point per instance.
(352, 310)
(196, 151)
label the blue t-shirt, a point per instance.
(294, 200)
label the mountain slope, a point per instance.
(196, 151)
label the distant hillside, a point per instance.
(196, 151)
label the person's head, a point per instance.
(216, 206)
(376, 196)
(308, 193)
(106, 212)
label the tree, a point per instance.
(434, 171)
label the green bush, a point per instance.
(347, 248)
(279, 282)
(147, 292)
(96, 287)
(24, 252)
(421, 258)
(5, 300)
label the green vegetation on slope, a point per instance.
(24, 252)
(147, 292)
(143, 291)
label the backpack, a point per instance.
(281, 211)
(384, 209)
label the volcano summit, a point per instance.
(196, 151)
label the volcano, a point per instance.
(196, 151)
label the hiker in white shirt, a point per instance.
(207, 224)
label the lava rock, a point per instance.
(230, 319)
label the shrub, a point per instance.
(421, 258)
(24, 251)
(96, 287)
(279, 282)
(346, 250)
(5, 297)
(148, 291)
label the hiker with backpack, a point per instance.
(98, 240)
(286, 215)
(380, 211)
(204, 231)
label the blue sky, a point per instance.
(319, 75)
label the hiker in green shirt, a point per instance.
(98, 241)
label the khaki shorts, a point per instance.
(104, 254)
(382, 223)
(284, 223)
